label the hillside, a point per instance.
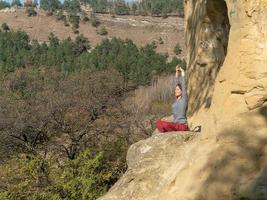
(141, 30)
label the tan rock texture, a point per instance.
(227, 44)
(227, 86)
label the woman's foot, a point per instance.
(197, 129)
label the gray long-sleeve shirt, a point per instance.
(179, 107)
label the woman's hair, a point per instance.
(179, 85)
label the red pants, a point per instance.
(164, 126)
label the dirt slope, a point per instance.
(141, 30)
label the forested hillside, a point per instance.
(79, 87)
(68, 114)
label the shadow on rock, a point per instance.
(238, 167)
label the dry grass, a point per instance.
(158, 96)
(141, 30)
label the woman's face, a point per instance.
(178, 92)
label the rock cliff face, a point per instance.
(227, 55)
(227, 86)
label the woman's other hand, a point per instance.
(182, 71)
(178, 71)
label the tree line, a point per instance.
(119, 7)
(137, 65)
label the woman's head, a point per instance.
(178, 90)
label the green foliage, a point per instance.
(85, 19)
(121, 8)
(94, 20)
(65, 22)
(35, 3)
(99, 6)
(102, 31)
(50, 5)
(136, 65)
(34, 177)
(162, 7)
(60, 16)
(81, 45)
(31, 12)
(5, 27)
(145, 7)
(134, 8)
(14, 48)
(16, 3)
(75, 21)
(160, 40)
(177, 49)
(86, 177)
(4, 4)
(72, 6)
(3, 195)
(175, 61)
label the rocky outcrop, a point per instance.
(227, 55)
(227, 83)
(186, 166)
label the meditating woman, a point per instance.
(179, 107)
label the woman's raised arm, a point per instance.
(183, 83)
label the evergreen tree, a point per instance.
(5, 27)
(16, 3)
(177, 49)
(50, 5)
(4, 4)
(72, 6)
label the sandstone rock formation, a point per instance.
(217, 27)
(227, 71)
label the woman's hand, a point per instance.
(178, 71)
(182, 71)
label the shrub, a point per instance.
(160, 90)
(177, 49)
(50, 5)
(164, 15)
(75, 31)
(65, 22)
(81, 45)
(94, 21)
(86, 177)
(5, 27)
(85, 19)
(121, 8)
(72, 6)
(102, 31)
(75, 20)
(60, 16)
(49, 13)
(160, 40)
(31, 12)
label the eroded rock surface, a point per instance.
(227, 55)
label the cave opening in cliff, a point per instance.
(217, 14)
(209, 29)
(216, 27)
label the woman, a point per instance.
(179, 107)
